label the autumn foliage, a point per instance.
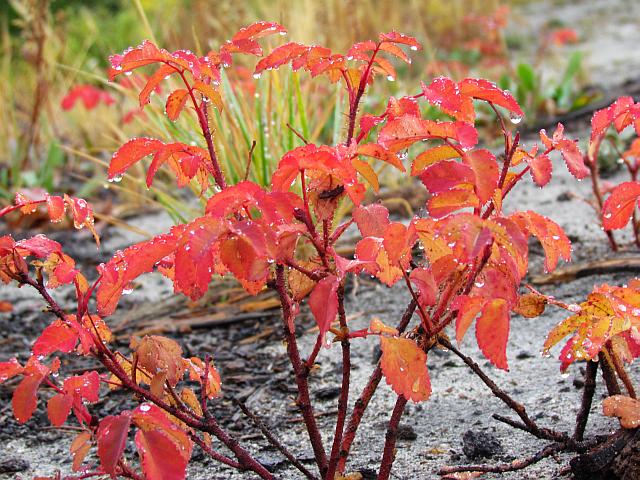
(475, 255)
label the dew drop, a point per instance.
(515, 119)
(145, 407)
(414, 48)
(115, 179)
(257, 75)
(391, 78)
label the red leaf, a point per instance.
(553, 239)
(377, 151)
(130, 153)
(395, 37)
(175, 103)
(145, 54)
(58, 408)
(427, 288)
(541, 169)
(195, 259)
(89, 95)
(372, 220)
(619, 206)
(10, 369)
(445, 94)
(323, 302)
(492, 332)
(55, 207)
(160, 456)
(153, 81)
(281, 56)
(403, 132)
(112, 438)
(447, 174)
(489, 92)
(127, 265)
(85, 386)
(39, 246)
(486, 173)
(404, 365)
(24, 399)
(569, 150)
(57, 337)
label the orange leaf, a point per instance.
(431, 156)
(404, 131)
(79, 449)
(449, 201)
(492, 332)
(57, 337)
(531, 305)
(130, 153)
(161, 354)
(176, 102)
(625, 408)
(404, 365)
(58, 408)
(379, 152)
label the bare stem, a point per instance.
(518, 408)
(273, 440)
(343, 400)
(367, 394)
(587, 397)
(303, 401)
(389, 453)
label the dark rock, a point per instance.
(328, 393)
(523, 355)
(477, 444)
(406, 432)
(13, 465)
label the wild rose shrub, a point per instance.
(475, 256)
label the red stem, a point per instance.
(389, 454)
(301, 372)
(367, 394)
(344, 391)
(353, 107)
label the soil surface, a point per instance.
(454, 424)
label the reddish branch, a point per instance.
(273, 440)
(367, 394)
(518, 408)
(344, 389)
(389, 453)
(592, 164)
(208, 425)
(587, 398)
(301, 372)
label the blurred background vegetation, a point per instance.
(51, 46)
